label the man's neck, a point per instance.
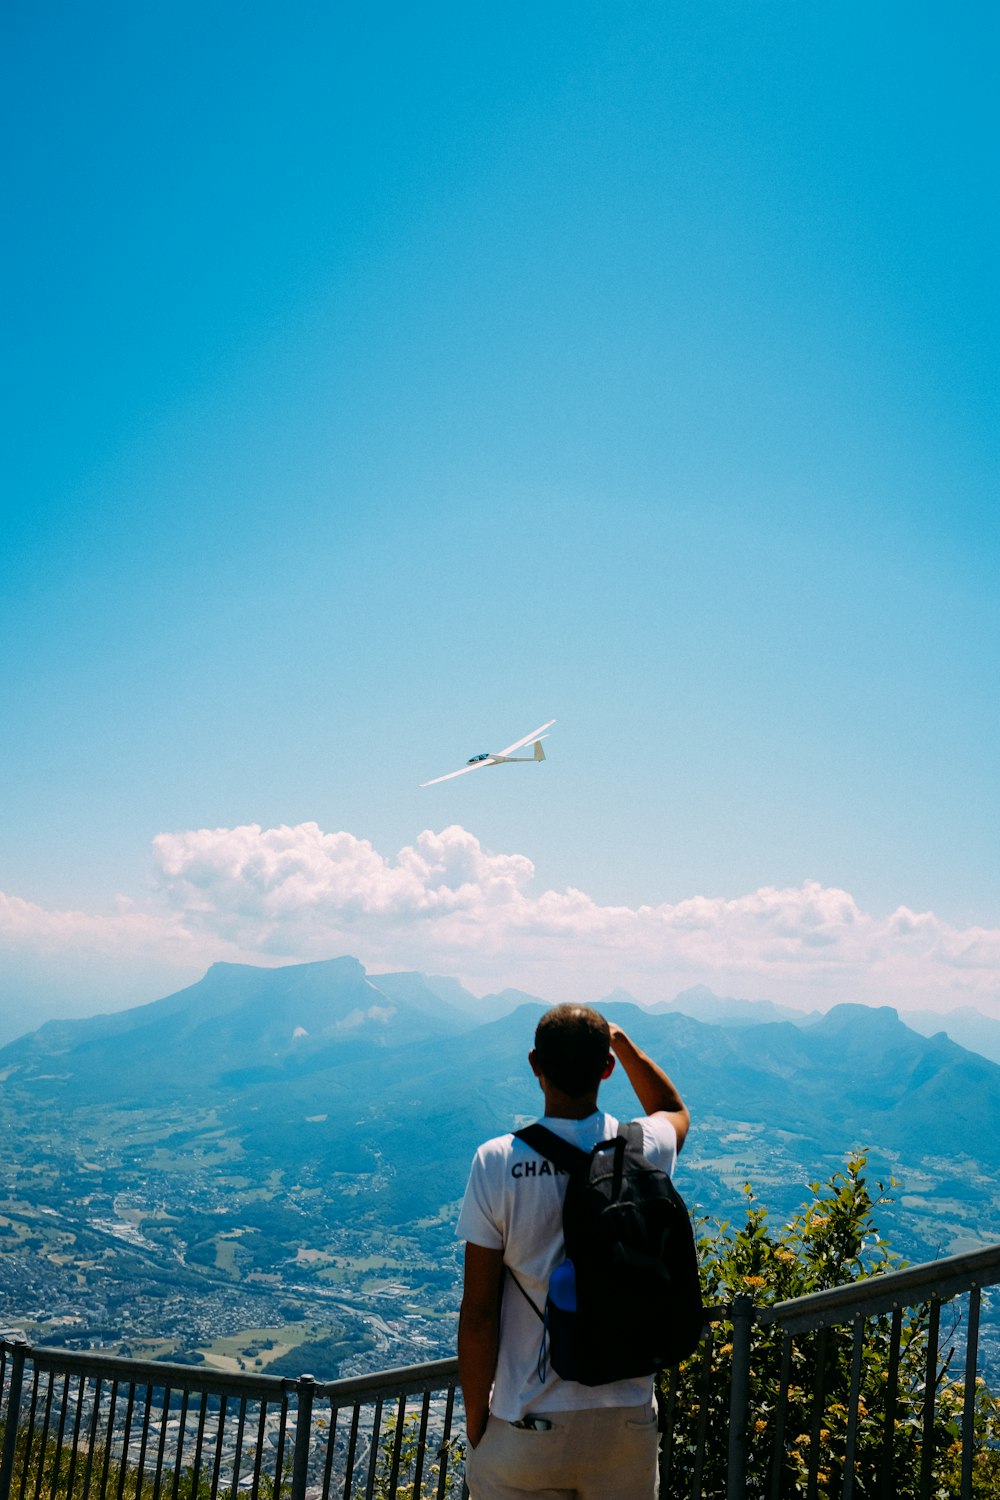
(560, 1106)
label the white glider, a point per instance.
(502, 757)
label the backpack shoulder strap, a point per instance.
(530, 1300)
(570, 1158)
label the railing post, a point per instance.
(305, 1389)
(739, 1397)
(19, 1346)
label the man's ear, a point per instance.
(609, 1067)
(533, 1060)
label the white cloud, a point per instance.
(447, 904)
(23, 923)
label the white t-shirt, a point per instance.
(513, 1203)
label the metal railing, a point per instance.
(839, 1365)
(82, 1426)
(864, 1370)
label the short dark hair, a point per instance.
(572, 1044)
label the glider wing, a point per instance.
(465, 769)
(536, 734)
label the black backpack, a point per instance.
(626, 1301)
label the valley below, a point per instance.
(291, 1209)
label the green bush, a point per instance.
(406, 1473)
(833, 1239)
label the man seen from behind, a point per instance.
(530, 1432)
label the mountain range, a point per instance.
(324, 1064)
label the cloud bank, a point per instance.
(445, 904)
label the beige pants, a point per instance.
(603, 1453)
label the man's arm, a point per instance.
(653, 1088)
(479, 1334)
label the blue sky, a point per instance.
(381, 385)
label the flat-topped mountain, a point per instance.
(237, 1020)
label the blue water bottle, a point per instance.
(562, 1286)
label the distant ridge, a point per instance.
(856, 1073)
(969, 1027)
(700, 1002)
(442, 999)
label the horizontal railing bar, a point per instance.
(935, 1280)
(407, 1380)
(403, 1380)
(158, 1373)
(869, 1307)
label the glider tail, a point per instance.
(539, 752)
